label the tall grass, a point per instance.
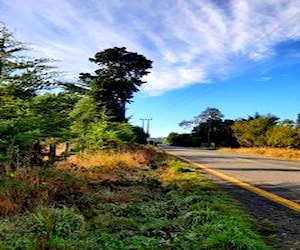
(292, 154)
(127, 200)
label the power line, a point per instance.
(278, 27)
(247, 51)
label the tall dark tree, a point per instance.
(209, 114)
(207, 121)
(119, 76)
(209, 127)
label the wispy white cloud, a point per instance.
(265, 79)
(189, 41)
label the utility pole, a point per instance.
(143, 120)
(148, 124)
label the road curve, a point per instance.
(280, 177)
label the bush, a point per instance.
(188, 140)
(281, 136)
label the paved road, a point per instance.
(281, 177)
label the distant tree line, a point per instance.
(255, 131)
(89, 113)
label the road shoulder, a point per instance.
(279, 225)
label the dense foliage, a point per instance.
(254, 131)
(90, 114)
(25, 117)
(266, 130)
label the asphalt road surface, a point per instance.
(281, 177)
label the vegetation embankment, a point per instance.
(138, 199)
(291, 154)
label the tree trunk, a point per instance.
(52, 152)
(66, 150)
(209, 134)
(123, 111)
(37, 157)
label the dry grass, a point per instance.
(8, 207)
(104, 166)
(292, 154)
(106, 160)
(27, 188)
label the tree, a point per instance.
(94, 134)
(22, 76)
(209, 114)
(53, 113)
(83, 116)
(186, 124)
(259, 128)
(253, 132)
(18, 131)
(119, 76)
(206, 121)
(209, 127)
(242, 131)
(107, 135)
(282, 136)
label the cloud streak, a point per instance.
(189, 41)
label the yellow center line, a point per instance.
(273, 197)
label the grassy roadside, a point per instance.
(289, 154)
(130, 200)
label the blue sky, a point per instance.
(240, 56)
